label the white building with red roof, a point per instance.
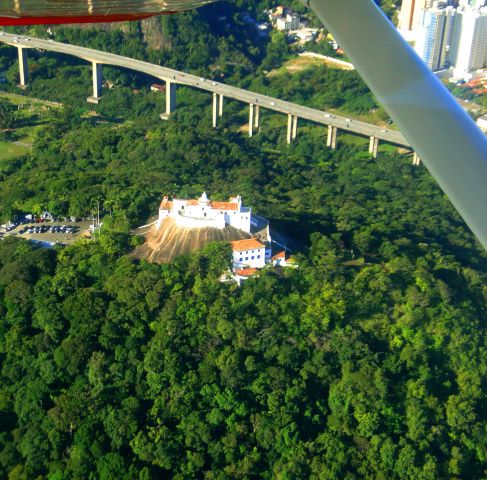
(203, 212)
(248, 254)
(240, 276)
(279, 259)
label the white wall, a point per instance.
(162, 215)
(202, 215)
(192, 222)
(240, 220)
(254, 258)
(177, 204)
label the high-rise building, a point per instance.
(469, 41)
(435, 31)
(453, 37)
(410, 13)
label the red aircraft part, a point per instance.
(44, 12)
(8, 21)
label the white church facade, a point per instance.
(205, 213)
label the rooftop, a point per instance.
(233, 204)
(246, 272)
(224, 205)
(165, 204)
(244, 245)
(279, 255)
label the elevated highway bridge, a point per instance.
(172, 78)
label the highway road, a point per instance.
(163, 73)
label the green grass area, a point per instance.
(25, 100)
(9, 150)
(31, 114)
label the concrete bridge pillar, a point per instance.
(170, 97)
(256, 118)
(220, 106)
(251, 119)
(215, 109)
(295, 128)
(289, 128)
(374, 146)
(331, 140)
(416, 159)
(23, 67)
(97, 83)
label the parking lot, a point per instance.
(55, 232)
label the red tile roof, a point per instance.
(165, 205)
(246, 272)
(244, 245)
(279, 255)
(224, 205)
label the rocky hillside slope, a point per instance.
(170, 241)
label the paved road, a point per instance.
(163, 73)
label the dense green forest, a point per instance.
(367, 361)
(113, 369)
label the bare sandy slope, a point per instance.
(165, 244)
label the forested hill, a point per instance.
(118, 370)
(367, 361)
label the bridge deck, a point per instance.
(163, 73)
